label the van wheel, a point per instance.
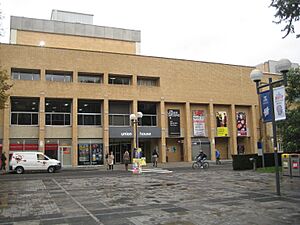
(19, 170)
(51, 169)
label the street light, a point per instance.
(256, 75)
(134, 118)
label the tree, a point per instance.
(4, 87)
(289, 129)
(287, 11)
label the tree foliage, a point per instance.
(288, 12)
(290, 128)
(4, 87)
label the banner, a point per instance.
(265, 101)
(174, 122)
(199, 123)
(279, 103)
(222, 129)
(241, 124)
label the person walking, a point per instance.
(218, 156)
(154, 157)
(106, 160)
(3, 161)
(110, 161)
(126, 159)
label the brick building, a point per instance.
(75, 85)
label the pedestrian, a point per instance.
(106, 160)
(3, 161)
(126, 159)
(154, 157)
(218, 156)
(110, 161)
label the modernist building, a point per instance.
(75, 85)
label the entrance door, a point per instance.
(64, 155)
(118, 150)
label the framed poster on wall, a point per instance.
(241, 124)
(174, 122)
(222, 129)
(199, 123)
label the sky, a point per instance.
(239, 32)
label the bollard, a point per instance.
(253, 160)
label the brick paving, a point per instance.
(218, 195)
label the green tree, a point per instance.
(4, 87)
(288, 12)
(289, 129)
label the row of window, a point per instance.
(25, 111)
(67, 76)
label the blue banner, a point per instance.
(266, 107)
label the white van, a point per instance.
(21, 161)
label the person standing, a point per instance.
(126, 159)
(154, 157)
(218, 156)
(110, 161)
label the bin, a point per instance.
(286, 165)
(295, 167)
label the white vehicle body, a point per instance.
(22, 161)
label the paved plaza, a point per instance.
(166, 196)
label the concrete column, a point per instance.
(6, 131)
(74, 132)
(212, 130)
(233, 135)
(188, 141)
(162, 146)
(42, 122)
(253, 137)
(105, 126)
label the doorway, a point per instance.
(118, 149)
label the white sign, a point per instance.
(279, 103)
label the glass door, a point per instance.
(65, 156)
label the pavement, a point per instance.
(181, 195)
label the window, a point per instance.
(25, 74)
(119, 79)
(89, 112)
(149, 113)
(90, 78)
(59, 76)
(148, 81)
(119, 113)
(41, 157)
(24, 111)
(58, 112)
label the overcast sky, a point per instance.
(224, 31)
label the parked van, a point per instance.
(21, 161)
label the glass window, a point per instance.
(90, 78)
(25, 74)
(58, 112)
(24, 111)
(59, 76)
(119, 113)
(89, 112)
(148, 81)
(149, 113)
(119, 79)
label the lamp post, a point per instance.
(134, 118)
(256, 75)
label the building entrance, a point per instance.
(118, 149)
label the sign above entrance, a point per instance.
(127, 132)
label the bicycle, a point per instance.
(203, 164)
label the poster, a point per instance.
(83, 154)
(241, 124)
(199, 123)
(174, 122)
(265, 101)
(222, 129)
(279, 103)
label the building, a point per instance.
(75, 85)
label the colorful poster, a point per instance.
(279, 103)
(265, 101)
(222, 129)
(83, 154)
(199, 123)
(174, 122)
(241, 124)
